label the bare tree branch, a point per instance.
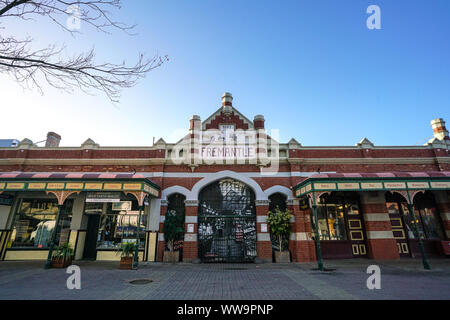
(30, 67)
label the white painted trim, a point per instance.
(260, 195)
(263, 237)
(279, 189)
(299, 236)
(161, 236)
(376, 217)
(379, 235)
(261, 219)
(162, 219)
(191, 219)
(175, 189)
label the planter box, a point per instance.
(126, 263)
(60, 263)
(171, 257)
(282, 257)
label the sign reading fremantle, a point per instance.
(229, 146)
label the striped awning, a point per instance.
(431, 180)
(76, 181)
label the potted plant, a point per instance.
(279, 224)
(172, 229)
(63, 256)
(126, 251)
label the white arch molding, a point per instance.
(279, 189)
(175, 189)
(259, 194)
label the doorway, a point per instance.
(90, 247)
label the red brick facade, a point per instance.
(295, 164)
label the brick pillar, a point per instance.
(443, 205)
(190, 245)
(161, 242)
(380, 239)
(263, 244)
(302, 243)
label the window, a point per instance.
(118, 226)
(35, 221)
(427, 218)
(332, 212)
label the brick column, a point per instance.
(263, 244)
(302, 244)
(161, 242)
(380, 239)
(190, 245)
(443, 205)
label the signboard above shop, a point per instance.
(102, 197)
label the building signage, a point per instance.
(346, 186)
(440, 185)
(228, 152)
(122, 206)
(418, 185)
(395, 185)
(103, 197)
(324, 186)
(371, 185)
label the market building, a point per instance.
(222, 178)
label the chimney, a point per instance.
(439, 130)
(258, 122)
(53, 140)
(227, 102)
(195, 124)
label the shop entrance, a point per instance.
(227, 222)
(90, 248)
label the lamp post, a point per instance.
(48, 264)
(136, 253)
(316, 232)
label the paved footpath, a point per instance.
(405, 279)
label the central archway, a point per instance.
(227, 222)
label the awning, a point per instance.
(24, 181)
(404, 181)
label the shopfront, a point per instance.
(361, 215)
(95, 216)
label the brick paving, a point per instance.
(403, 279)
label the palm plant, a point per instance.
(126, 249)
(63, 252)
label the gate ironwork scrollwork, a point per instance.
(227, 222)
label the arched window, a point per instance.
(277, 200)
(176, 204)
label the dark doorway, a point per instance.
(90, 244)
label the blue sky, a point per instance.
(312, 68)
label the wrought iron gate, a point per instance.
(227, 223)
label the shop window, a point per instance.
(427, 217)
(119, 226)
(34, 223)
(332, 212)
